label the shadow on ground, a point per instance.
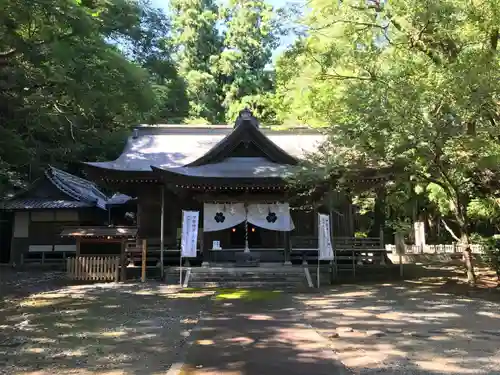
(258, 336)
(100, 328)
(407, 327)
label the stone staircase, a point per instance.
(264, 276)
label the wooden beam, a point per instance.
(255, 197)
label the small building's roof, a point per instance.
(172, 146)
(119, 199)
(41, 204)
(95, 232)
(61, 190)
(77, 188)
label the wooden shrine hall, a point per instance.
(237, 178)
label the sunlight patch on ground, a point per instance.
(34, 350)
(259, 317)
(182, 295)
(246, 294)
(354, 294)
(489, 314)
(241, 340)
(38, 302)
(205, 342)
(113, 334)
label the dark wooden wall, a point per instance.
(48, 232)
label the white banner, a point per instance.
(271, 216)
(325, 249)
(220, 216)
(189, 237)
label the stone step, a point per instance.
(282, 277)
(265, 285)
(248, 279)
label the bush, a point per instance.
(491, 251)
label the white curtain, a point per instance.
(271, 216)
(219, 216)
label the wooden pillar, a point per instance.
(204, 249)
(138, 223)
(379, 214)
(122, 261)
(286, 237)
(144, 258)
(287, 248)
(350, 216)
(78, 246)
(162, 231)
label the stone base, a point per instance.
(247, 260)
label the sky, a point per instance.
(285, 41)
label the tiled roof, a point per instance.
(235, 167)
(118, 199)
(77, 188)
(171, 146)
(80, 193)
(35, 204)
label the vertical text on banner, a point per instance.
(325, 248)
(189, 233)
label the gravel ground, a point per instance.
(18, 283)
(101, 328)
(407, 328)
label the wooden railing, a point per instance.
(340, 243)
(436, 249)
(93, 268)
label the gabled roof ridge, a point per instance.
(245, 124)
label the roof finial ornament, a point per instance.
(246, 115)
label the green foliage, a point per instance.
(491, 251)
(252, 34)
(408, 83)
(198, 44)
(263, 107)
(67, 91)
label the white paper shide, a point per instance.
(189, 238)
(325, 248)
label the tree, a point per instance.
(198, 43)
(413, 83)
(66, 88)
(251, 35)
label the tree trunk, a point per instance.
(467, 257)
(378, 213)
(462, 219)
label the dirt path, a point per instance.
(407, 328)
(260, 337)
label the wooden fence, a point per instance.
(93, 268)
(435, 249)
